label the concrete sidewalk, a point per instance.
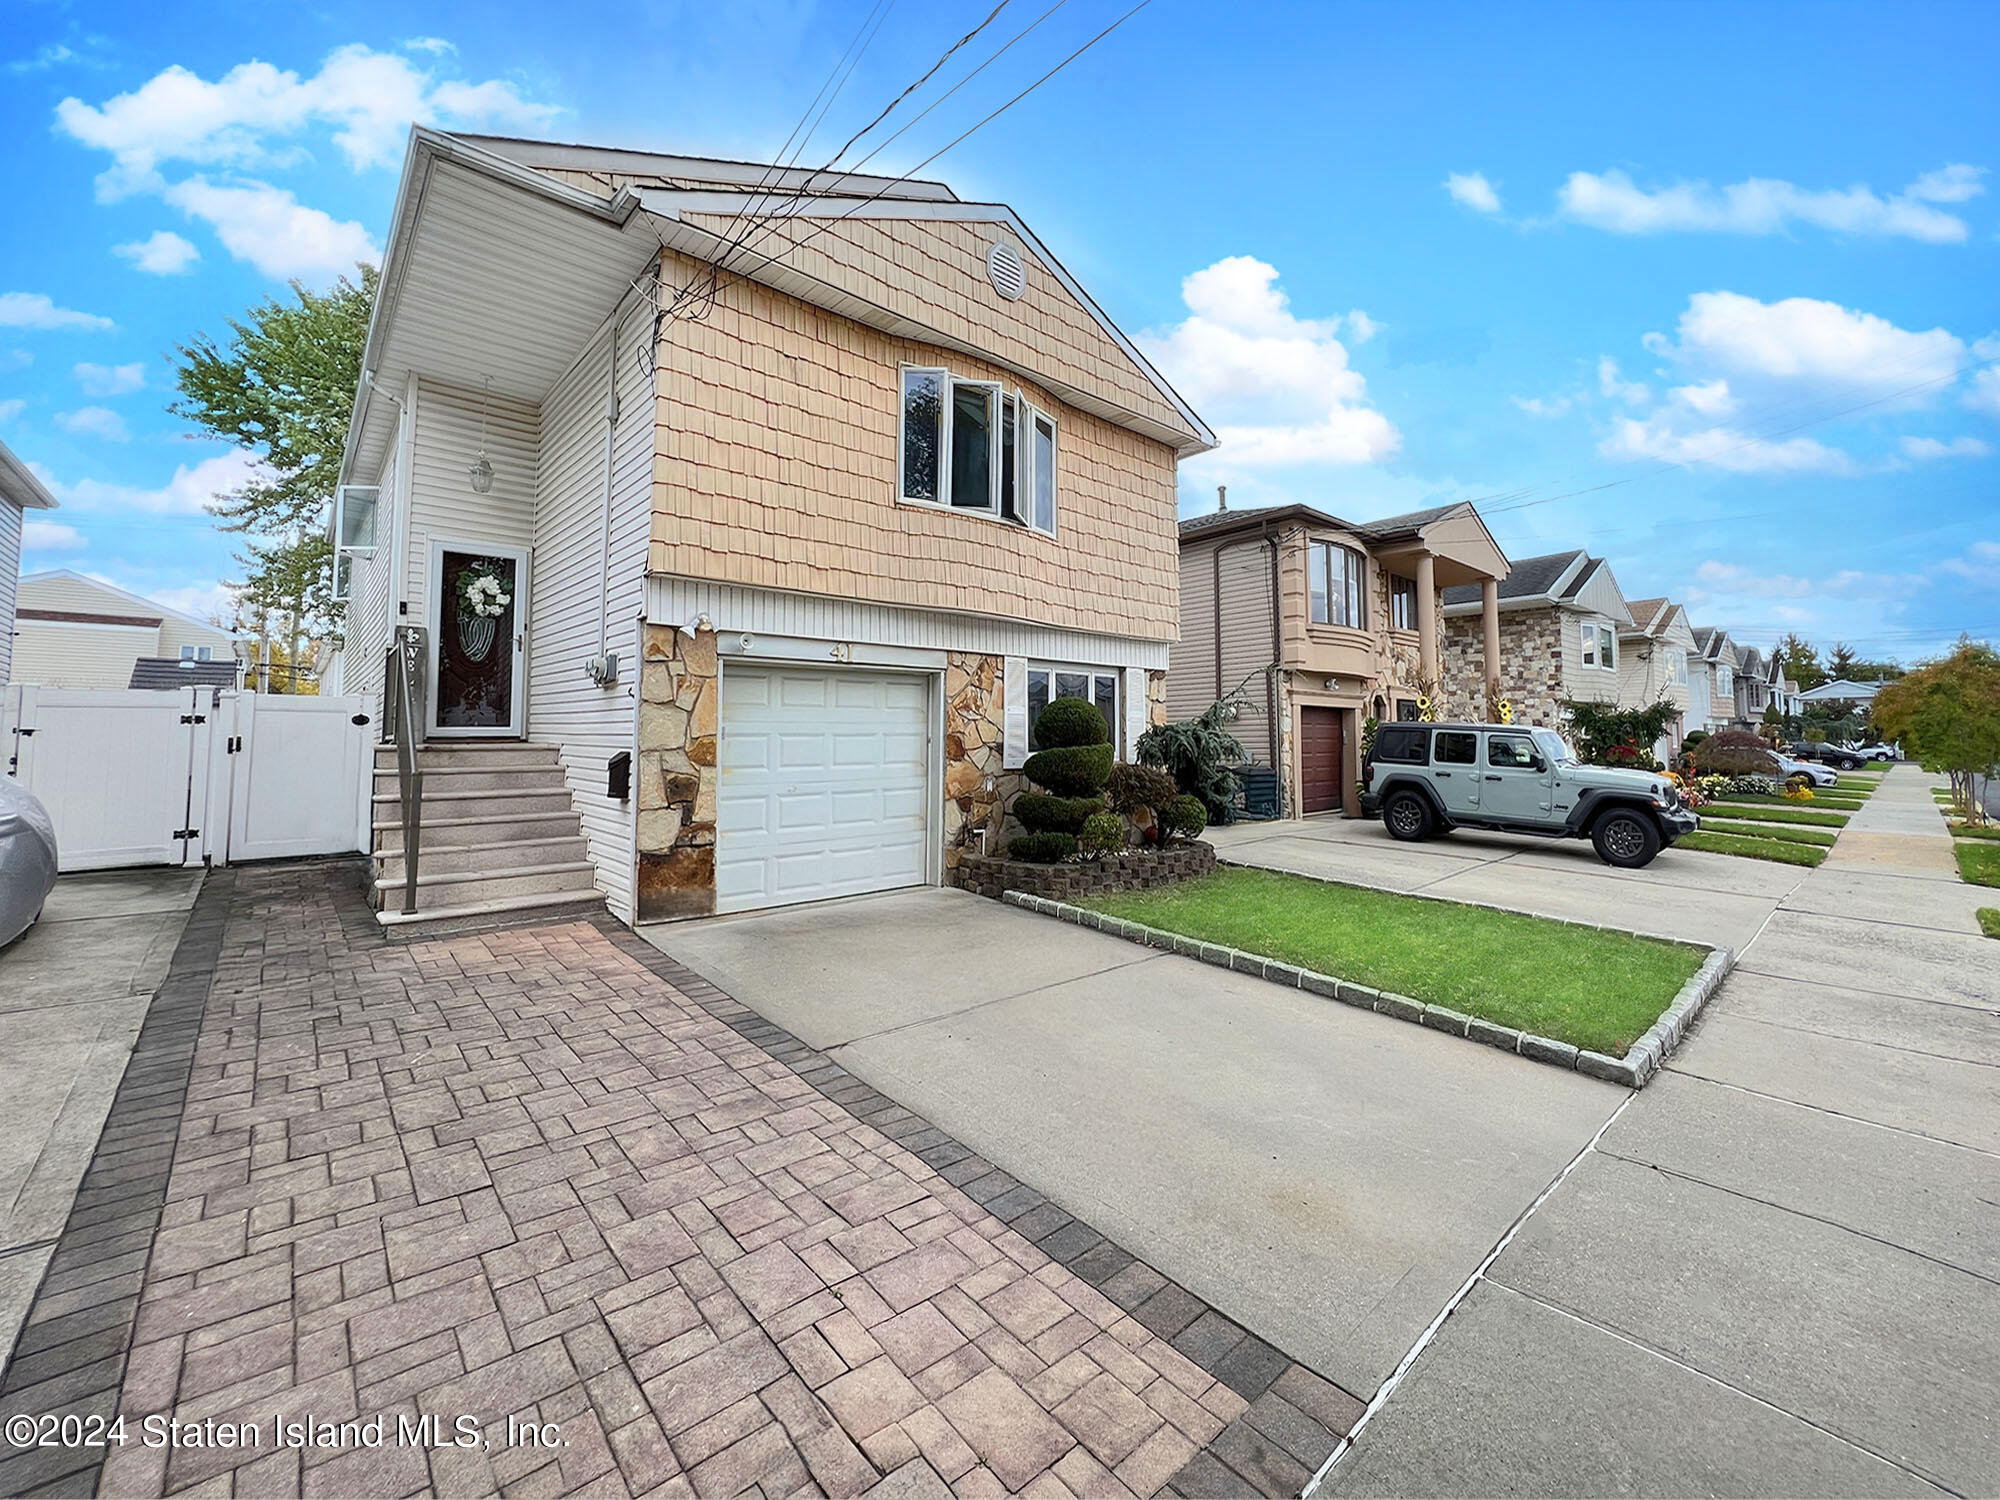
(1776, 1273)
(73, 992)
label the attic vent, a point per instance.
(1005, 271)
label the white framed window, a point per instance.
(1402, 603)
(1048, 681)
(1589, 645)
(187, 653)
(1724, 682)
(354, 508)
(1607, 648)
(1677, 663)
(1336, 580)
(975, 447)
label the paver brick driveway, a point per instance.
(520, 1175)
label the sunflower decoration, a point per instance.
(1426, 710)
(1506, 710)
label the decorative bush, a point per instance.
(1198, 753)
(1739, 786)
(1799, 793)
(1103, 833)
(1734, 752)
(1070, 721)
(1042, 848)
(1692, 738)
(1606, 735)
(1040, 814)
(1134, 788)
(1184, 817)
(1072, 771)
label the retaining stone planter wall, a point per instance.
(1134, 870)
(1640, 1062)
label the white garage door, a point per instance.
(825, 785)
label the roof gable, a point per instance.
(51, 589)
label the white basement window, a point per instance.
(971, 446)
(1097, 685)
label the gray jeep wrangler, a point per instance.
(1429, 778)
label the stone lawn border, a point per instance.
(1635, 1069)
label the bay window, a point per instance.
(1336, 580)
(974, 447)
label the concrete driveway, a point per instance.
(1703, 898)
(1326, 1176)
(73, 992)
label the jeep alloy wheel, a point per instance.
(1627, 840)
(1407, 817)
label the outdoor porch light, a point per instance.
(482, 470)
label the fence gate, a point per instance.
(189, 776)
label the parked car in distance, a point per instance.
(1793, 771)
(1879, 753)
(1424, 779)
(1825, 752)
(27, 858)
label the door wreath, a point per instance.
(482, 599)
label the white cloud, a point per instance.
(1612, 383)
(1983, 393)
(205, 601)
(15, 359)
(1723, 448)
(432, 44)
(52, 55)
(50, 536)
(1923, 448)
(1763, 205)
(12, 409)
(110, 380)
(1735, 579)
(1711, 397)
(162, 253)
(1360, 327)
(1473, 190)
(1279, 385)
(186, 494)
(241, 119)
(271, 229)
(94, 421)
(1981, 564)
(1544, 406)
(33, 310)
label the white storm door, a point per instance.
(825, 786)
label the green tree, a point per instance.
(1606, 735)
(1840, 660)
(1947, 716)
(282, 388)
(1801, 662)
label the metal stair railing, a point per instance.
(404, 685)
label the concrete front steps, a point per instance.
(500, 836)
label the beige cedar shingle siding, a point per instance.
(934, 272)
(777, 467)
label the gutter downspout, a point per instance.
(632, 300)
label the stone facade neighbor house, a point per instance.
(1560, 616)
(1653, 655)
(1712, 676)
(1321, 624)
(20, 492)
(738, 521)
(76, 632)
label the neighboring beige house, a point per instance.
(78, 632)
(851, 477)
(20, 492)
(1323, 624)
(1560, 616)
(1653, 656)
(1711, 680)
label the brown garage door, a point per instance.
(1322, 749)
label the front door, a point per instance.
(1322, 752)
(480, 599)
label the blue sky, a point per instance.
(1713, 290)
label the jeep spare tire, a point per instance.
(1625, 838)
(1407, 816)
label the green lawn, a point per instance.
(1771, 810)
(1597, 990)
(1959, 831)
(1777, 850)
(1790, 833)
(1856, 787)
(1989, 921)
(1978, 863)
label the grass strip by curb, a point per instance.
(1772, 812)
(1790, 833)
(1978, 863)
(1774, 850)
(1975, 831)
(1989, 920)
(1595, 990)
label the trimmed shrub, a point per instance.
(1692, 738)
(1184, 817)
(1734, 752)
(1135, 787)
(1039, 814)
(1072, 770)
(1103, 833)
(1042, 848)
(1070, 721)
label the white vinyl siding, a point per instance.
(443, 504)
(575, 578)
(63, 654)
(10, 571)
(370, 608)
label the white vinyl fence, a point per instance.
(191, 776)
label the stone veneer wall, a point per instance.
(976, 787)
(1135, 870)
(1531, 642)
(678, 720)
